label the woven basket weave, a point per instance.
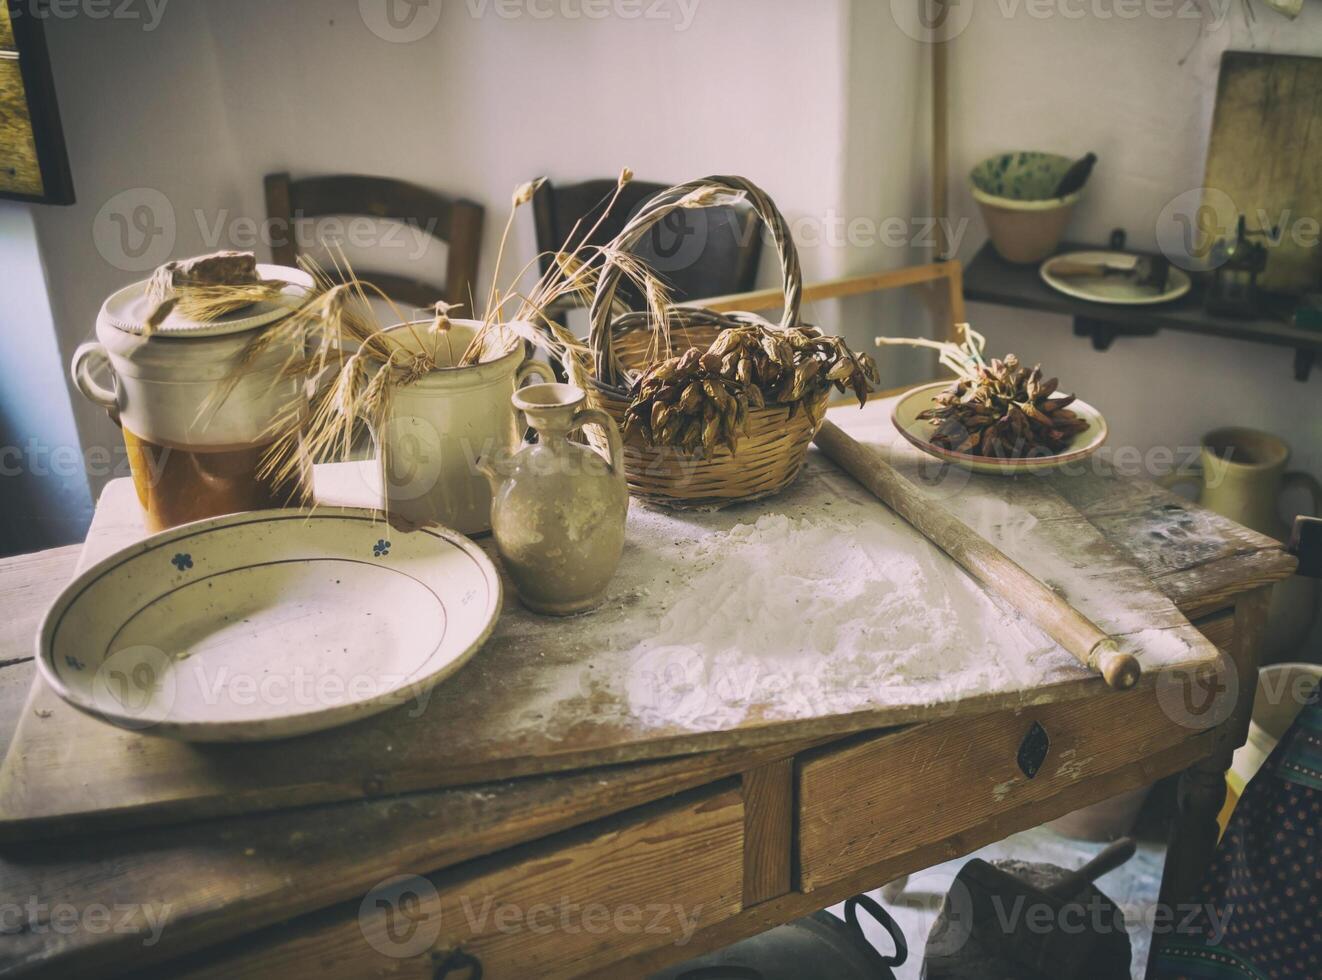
(769, 456)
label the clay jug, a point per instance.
(1242, 477)
(558, 507)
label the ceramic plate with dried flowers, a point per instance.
(998, 416)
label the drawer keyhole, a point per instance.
(1033, 750)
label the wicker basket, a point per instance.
(769, 456)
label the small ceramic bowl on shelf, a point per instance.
(917, 431)
(1016, 193)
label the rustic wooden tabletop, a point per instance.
(191, 886)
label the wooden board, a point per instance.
(1262, 160)
(548, 695)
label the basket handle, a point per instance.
(600, 331)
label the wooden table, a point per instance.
(623, 869)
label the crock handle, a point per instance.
(1297, 478)
(86, 359)
(587, 416)
(526, 370)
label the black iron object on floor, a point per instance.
(1013, 919)
(818, 945)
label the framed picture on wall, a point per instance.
(33, 163)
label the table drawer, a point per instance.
(892, 794)
(558, 908)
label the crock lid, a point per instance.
(129, 308)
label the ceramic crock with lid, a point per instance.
(192, 458)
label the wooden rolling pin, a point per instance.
(983, 560)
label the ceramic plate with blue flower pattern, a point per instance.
(268, 624)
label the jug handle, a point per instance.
(1172, 480)
(87, 358)
(1298, 478)
(596, 415)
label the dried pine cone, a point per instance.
(1004, 411)
(701, 399)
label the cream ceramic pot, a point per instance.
(191, 459)
(438, 427)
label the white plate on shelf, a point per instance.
(268, 624)
(1115, 290)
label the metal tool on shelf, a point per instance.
(1236, 264)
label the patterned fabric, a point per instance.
(1264, 883)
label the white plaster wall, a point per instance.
(147, 138)
(222, 93)
(44, 497)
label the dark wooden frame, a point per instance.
(43, 110)
(455, 221)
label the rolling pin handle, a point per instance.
(1120, 670)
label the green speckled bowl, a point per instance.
(1014, 192)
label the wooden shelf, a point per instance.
(990, 279)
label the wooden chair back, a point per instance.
(699, 253)
(455, 221)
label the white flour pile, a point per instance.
(816, 613)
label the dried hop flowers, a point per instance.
(701, 399)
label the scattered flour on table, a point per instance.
(818, 614)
